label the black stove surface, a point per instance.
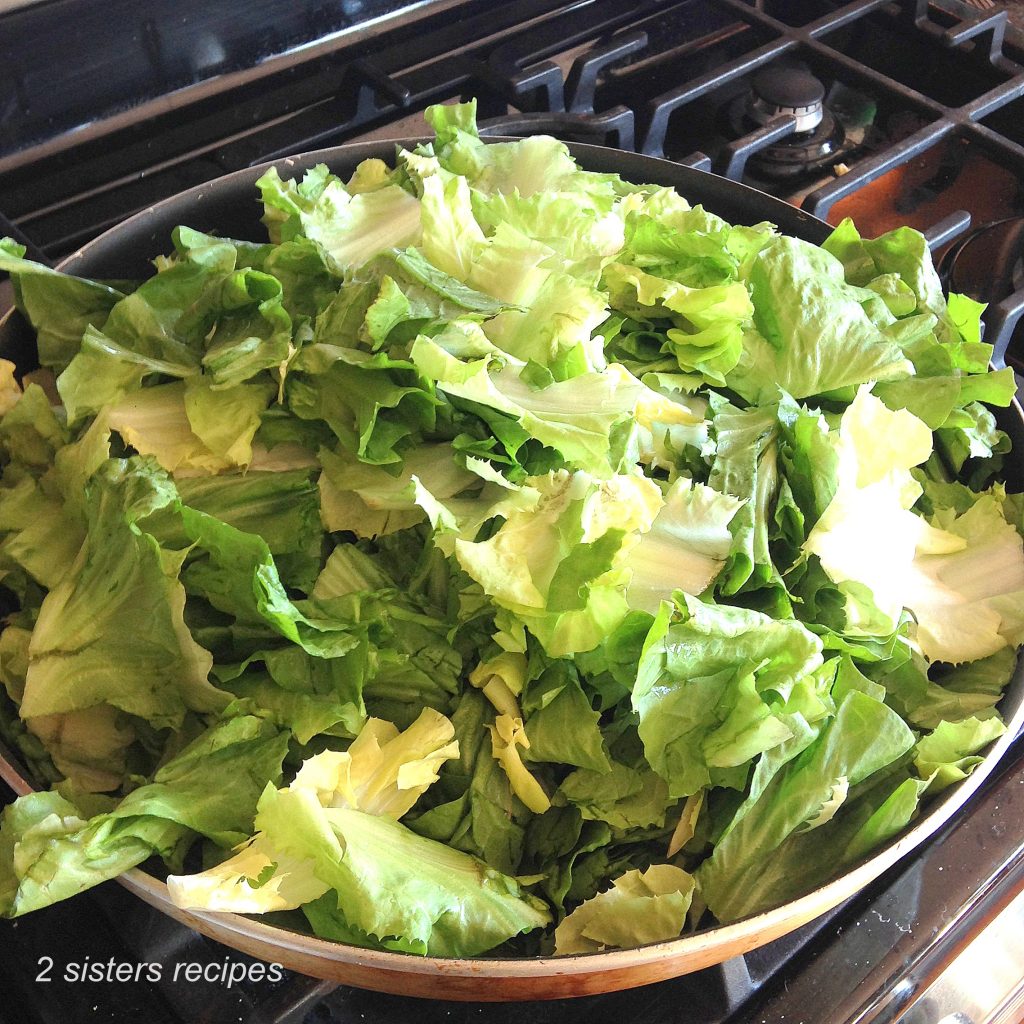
(159, 53)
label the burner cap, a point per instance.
(777, 91)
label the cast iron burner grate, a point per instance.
(920, 96)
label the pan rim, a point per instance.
(811, 905)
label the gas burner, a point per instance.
(777, 92)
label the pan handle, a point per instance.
(1002, 321)
(983, 263)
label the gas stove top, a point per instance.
(888, 112)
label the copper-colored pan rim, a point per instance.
(539, 977)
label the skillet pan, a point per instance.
(228, 206)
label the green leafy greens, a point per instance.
(502, 557)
